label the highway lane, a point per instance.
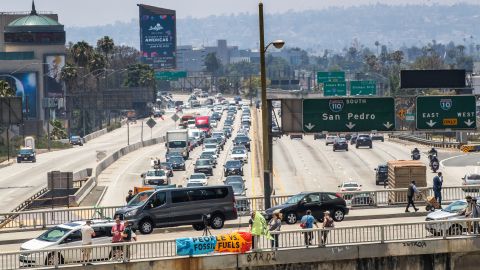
(125, 173)
(309, 164)
(20, 181)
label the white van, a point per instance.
(65, 236)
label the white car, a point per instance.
(213, 123)
(350, 186)
(454, 212)
(65, 236)
(191, 124)
(210, 147)
(246, 118)
(330, 140)
(198, 178)
(471, 179)
(156, 178)
(239, 154)
(218, 109)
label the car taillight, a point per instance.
(338, 195)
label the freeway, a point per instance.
(125, 173)
(309, 164)
(18, 182)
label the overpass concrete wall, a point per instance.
(453, 254)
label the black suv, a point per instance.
(363, 140)
(381, 174)
(204, 166)
(26, 154)
(318, 202)
(233, 167)
(76, 140)
(177, 162)
(242, 140)
(340, 144)
(377, 137)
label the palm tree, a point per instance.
(97, 63)
(6, 90)
(69, 75)
(106, 46)
(81, 52)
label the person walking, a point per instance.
(412, 190)
(468, 213)
(129, 196)
(117, 231)
(87, 234)
(328, 224)
(274, 226)
(306, 223)
(127, 237)
(437, 188)
(475, 214)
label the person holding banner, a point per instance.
(259, 227)
(275, 225)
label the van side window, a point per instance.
(179, 196)
(215, 193)
(159, 199)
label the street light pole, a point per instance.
(267, 188)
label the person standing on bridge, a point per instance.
(117, 231)
(475, 214)
(412, 189)
(328, 224)
(437, 188)
(129, 196)
(274, 226)
(87, 234)
(307, 223)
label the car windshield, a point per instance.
(242, 139)
(195, 134)
(233, 179)
(210, 146)
(474, 177)
(350, 185)
(54, 234)
(166, 165)
(217, 134)
(156, 173)
(455, 207)
(194, 184)
(238, 152)
(203, 125)
(177, 144)
(198, 176)
(140, 198)
(237, 187)
(363, 137)
(383, 169)
(202, 162)
(341, 140)
(233, 163)
(295, 199)
(25, 151)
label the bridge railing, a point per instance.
(41, 219)
(410, 233)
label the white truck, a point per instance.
(177, 142)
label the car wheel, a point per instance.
(184, 168)
(53, 259)
(291, 218)
(370, 146)
(346, 149)
(198, 226)
(19, 161)
(356, 146)
(146, 226)
(34, 160)
(338, 215)
(455, 230)
(217, 221)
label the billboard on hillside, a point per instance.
(25, 86)
(158, 37)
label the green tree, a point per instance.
(97, 63)
(139, 75)
(212, 63)
(58, 132)
(81, 53)
(6, 90)
(106, 46)
(69, 75)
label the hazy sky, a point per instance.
(98, 12)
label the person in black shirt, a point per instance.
(129, 196)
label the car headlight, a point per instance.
(131, 213)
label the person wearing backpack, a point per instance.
(328, 225)
(412, 189)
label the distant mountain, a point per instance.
(333, 28)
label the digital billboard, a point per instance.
(25, 86)
(53, 71)
(448, 78)
(158, 40)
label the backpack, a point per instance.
(329, 223)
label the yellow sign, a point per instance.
(234, 242)
(450, 121)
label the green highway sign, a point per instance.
(170, 75)
(446, 112)
(334, 76)
(335, 89)
(348, 114)
(363, 88)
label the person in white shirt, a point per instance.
(87, 234)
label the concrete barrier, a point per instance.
(78, 197)
(452, 254)
(95, 134)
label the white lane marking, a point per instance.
(441, 162)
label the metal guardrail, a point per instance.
(42, 219)
(416, 139)
(154, 250)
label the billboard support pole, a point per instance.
(8, 133)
